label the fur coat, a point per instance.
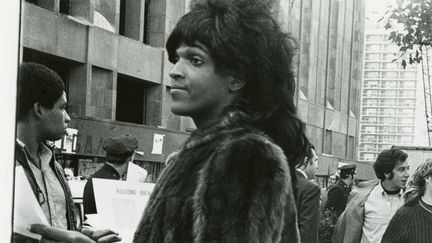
(228, 183)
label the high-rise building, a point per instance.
(392, 106)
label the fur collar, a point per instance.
(229, 123)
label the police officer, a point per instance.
(119, 152)
(339, 192)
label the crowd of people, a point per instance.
(245, 174)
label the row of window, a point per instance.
(389, 102)
(391, 74)
(387, 130)
(387, 65)
(105, 17)
(388, 120)
(389, 84)
(386, 138)
(390, 93)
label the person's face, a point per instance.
(197, 90)
(312, 166)
(400, 176)
(332, 180)
(55, 120)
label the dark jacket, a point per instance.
(308, 205)
(21, 160)
(106, 172)
(337, 197)
(229, 183)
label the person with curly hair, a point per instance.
(371, 206)
(413, 222)
(232, 179)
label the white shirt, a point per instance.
(54, 205)
(378, 210)
(303, 173)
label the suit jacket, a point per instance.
(307, 202)
(228, 183)
(106, 172)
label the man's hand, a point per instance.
(51, 234)
(101, 236)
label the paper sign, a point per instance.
(68, 143)
(157, 143)
(136, 173)
(27, 210)
(120, 205)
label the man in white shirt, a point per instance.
(42, 117)
(370, 208)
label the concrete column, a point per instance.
(134, 19)
(100, 103)
(79, 80)
(82, 8)
(53, 5)
(153, 114)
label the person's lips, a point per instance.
(176, 90)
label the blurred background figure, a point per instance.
(337, 196)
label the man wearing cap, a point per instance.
(371, 207)
(119, 152)
(337, 196)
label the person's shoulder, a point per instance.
(312, 188)
(253, 143)
(406, 213)
(336, 187)
(253, 152)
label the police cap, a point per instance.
(347, 167)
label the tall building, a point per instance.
(392, 110)
(111, 55)
(330, 37)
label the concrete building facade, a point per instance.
(110, 53)
(393, 111)
(330, 36)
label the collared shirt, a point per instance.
(379, 209)
(54, 205)
(303, 173)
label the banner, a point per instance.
(120, 205)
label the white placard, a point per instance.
(68, 143)
(120, 205)
(27, 210)
(136, 173)
(157, 143)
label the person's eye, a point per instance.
(196, 61)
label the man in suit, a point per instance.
(338, 193)
(307, 198)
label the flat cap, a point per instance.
(347, 167)
(122, 144)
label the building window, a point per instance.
(328, 142)
(64, 6)
(131, 100)
(131, 25)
